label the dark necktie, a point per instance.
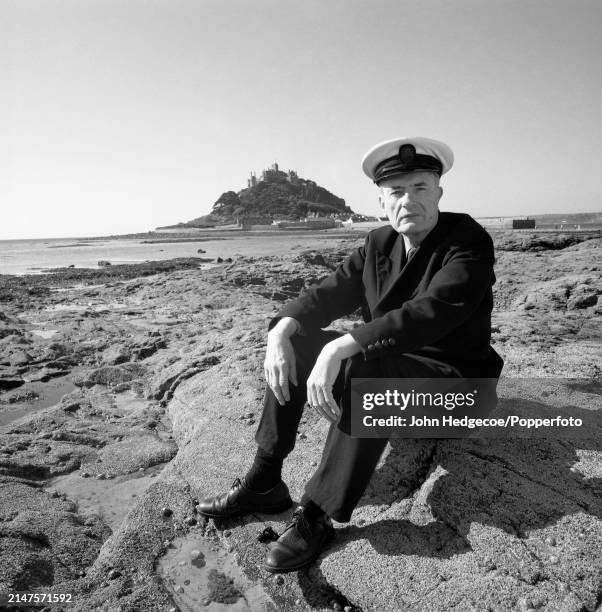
(410, 253)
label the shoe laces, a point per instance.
(300, 523)
(237, 484)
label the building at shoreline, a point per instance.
(507, 223)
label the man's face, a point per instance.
(411, 201)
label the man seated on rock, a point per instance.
(424, 285)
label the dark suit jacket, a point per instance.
(438, 305)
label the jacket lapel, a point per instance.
(383, 271)
(397, 257)
(384, 264)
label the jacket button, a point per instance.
(386, 342)
(378, 344)
(370, 347)
(391, 341)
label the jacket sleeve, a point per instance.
(338, 294)
(453, 294)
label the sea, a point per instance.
(39, 255)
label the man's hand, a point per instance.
(324, 373)
(320, 383)
(280, 366)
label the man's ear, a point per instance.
(440, 192)
(381, 201)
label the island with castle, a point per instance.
(276, 200)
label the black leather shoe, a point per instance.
(240, 500)
(300, 544)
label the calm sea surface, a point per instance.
(35, 256)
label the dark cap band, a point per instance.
(407, 160)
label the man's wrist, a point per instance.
(287, 326)
(343, 347)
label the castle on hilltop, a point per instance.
(273, 172)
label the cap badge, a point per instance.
(407, 154)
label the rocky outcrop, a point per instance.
(514, 241)
(42, 538)
(278, 195)
(169, 371)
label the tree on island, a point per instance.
(226, 204)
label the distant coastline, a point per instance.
(547, 221)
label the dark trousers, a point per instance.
(347, 463)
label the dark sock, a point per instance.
(265, 473)
(310, 509)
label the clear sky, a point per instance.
(122, 115)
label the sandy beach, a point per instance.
(127, 393)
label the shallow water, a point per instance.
(48, 394)
(93, 306)
(35, 256)
(44, 333)
(189, 570)
(110, 499)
